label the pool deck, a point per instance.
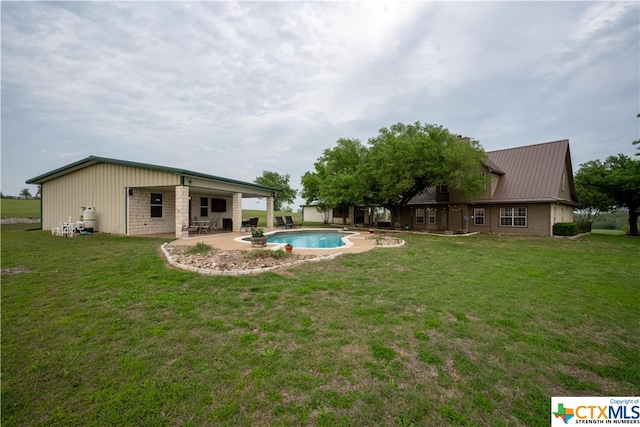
(232, 241)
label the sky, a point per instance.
(233, 89)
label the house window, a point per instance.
(156, 205)
(419, 216)
(339, 212)
(432, 216)
(513, 217)
(478, 217)
(218, 205)
(204, 206)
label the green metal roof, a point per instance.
(91, 160)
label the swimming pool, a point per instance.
(311, 239)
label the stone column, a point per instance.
(182, 211)
(236, 210)
(270, 215)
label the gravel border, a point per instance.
(19, 220)
(210, 272)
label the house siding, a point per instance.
(312, 214)
(537, 220)
(102, 186)
(560, 213)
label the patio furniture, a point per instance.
(227, 224)
(280, 222)
(192, 224)
(213, 224)
(289, 222)
(251, 222)
(200, 224)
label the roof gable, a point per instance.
(533, 172)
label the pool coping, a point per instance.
(275, 246)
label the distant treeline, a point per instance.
(611, 220)
(4, 196)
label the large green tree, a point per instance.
(618, 177)
(275, 180)
(337, 180)
(592, 201)
(403, 160)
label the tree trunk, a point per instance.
(396, 216)
(633, 221)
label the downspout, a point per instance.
(41, 211)
(126, 211)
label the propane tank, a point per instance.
(89, 219)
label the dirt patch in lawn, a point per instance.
(15, 270)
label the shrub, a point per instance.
(571, 228)
(266, 253)
(199, 249)
(584, 227)
(625, 229)
(566, 228)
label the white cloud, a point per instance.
(253, 86)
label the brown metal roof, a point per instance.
(532, 174)
(427, 196)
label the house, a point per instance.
(357, 215)
(136, 198)
(531, 189)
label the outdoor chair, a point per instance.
(290, 222)
(213, 224)
(280, 222)
(253, 222)
(192, 225)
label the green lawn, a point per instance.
(612, 232)
(478, 330)
(16, 208)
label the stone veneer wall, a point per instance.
(182, 212)
(139, 219)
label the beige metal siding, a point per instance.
(102, 186)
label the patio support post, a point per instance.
(182, 211)
(270, 215)
(236, 210)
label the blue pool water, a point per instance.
(309, 239)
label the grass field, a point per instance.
(16, 208)
(479, 330)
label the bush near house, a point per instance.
(571, 228)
